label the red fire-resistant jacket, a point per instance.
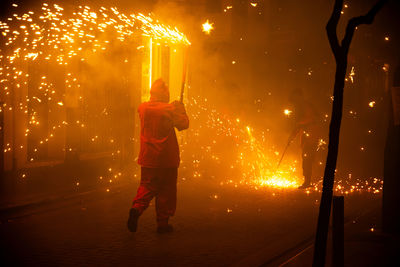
(158, 144)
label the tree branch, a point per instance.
(356, 21)
(331, 27)
(340, 52)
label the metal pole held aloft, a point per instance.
(185, 63)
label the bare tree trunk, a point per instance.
(340, 52)
(390, 195)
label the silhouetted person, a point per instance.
(159, 156)
(307, 125)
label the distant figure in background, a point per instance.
(159, 156)
(307, 125)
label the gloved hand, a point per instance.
(180, 107)
(180, 118)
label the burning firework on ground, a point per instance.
(245, 156)
(242, 154)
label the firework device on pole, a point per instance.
(184, 72)
(284, 152)
(291, 137)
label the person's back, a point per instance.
(158, 156)
(158, 144)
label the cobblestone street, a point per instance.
(214, 226)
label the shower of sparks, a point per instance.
(57, 37)
(244, 155)
(52, 35)
(207, 27)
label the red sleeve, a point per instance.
(179, 116)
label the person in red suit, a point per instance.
(159, 156)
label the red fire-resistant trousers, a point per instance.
(159, 183)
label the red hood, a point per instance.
(159, 91)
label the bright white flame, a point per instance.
(352, 74)
(287, 112)
(207, 27)
(371, 104)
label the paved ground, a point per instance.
(214, 226)
(365, 245)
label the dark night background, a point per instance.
(246, 68)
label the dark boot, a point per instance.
(305, 186)
(133, 219)
(163, 229)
